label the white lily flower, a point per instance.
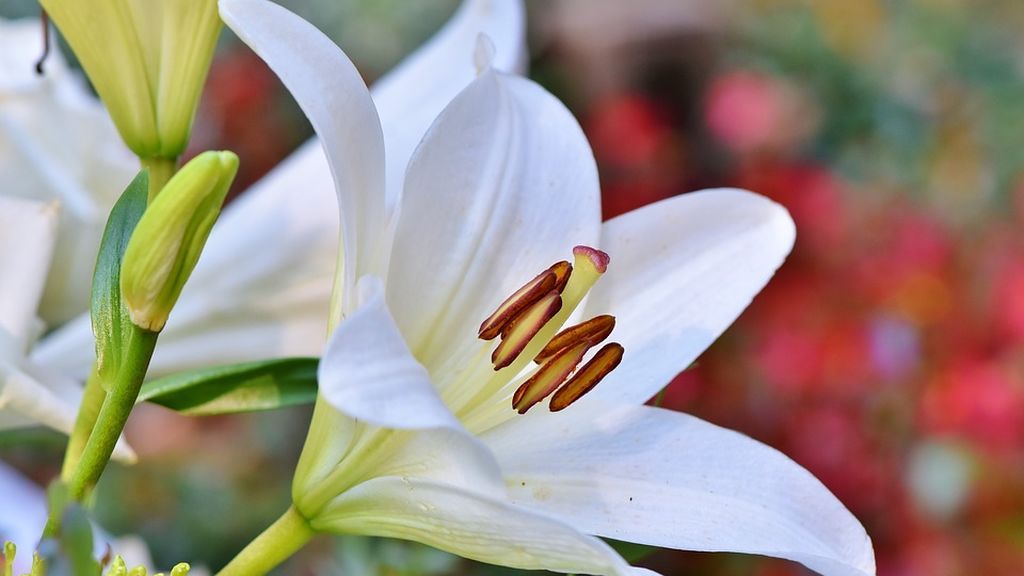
(30, 393)
(417, 438)
(57, 143)
(264, 281)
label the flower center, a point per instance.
(527, 322)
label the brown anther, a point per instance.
(46, 43)
(524, 327)
(549, 377)
(529, 294)
(562, 272)
(606, 359)
(594, 330)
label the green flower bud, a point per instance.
(148, 61)
(167, 241)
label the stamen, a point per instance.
(586, 378)
(549, 377)
(562, 272)
(46, 43)
(554, 278)
(524, 327)
(594, 330)
(529, 322)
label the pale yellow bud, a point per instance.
(168, 240)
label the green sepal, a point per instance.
(246, 387)
(111, 323)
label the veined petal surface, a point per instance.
(468, 524)
(411, 96)
(334, 97)
(503, 185)
(368, 372)
(663, 478)
(682, 270)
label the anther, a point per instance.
(549, 377)
(46, 43)
(554, 278)
(524, 327)
(606, 359)
(594, 330)
(562, 271)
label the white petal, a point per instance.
(681, 271)
(58, 143)
(468, 524)
(24, 506)
(69, 349)
(411, 96)
(368, 373)
(24, 395)
(32, 394)
(647, 475)
(503, 185)
(27, 233)
(329, 90)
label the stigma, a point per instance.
(528, 324)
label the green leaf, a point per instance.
(631, 551)
(246, 387)
(110, 321)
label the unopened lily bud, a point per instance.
(148, 61)
(168, 240)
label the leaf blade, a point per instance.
(235, 388)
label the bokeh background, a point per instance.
(887, 356)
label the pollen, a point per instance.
(528, 323)
(548, 377)
(554, 278)
(597, 329)
(586, 378)
(524, 327)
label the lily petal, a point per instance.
(402, 427)
(32, 394)
(28, 231)
(468, 524)
(368, 372)
(436, 72)
(503, 181)
(30, 399)
(662, 478)
(682, 270)
(24, 506)
(330, 91)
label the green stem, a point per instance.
(110, 421)
(276, 544)
(92, 400)
(160, 171)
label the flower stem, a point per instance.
(276, 544)
(160, 171)
(92, 400)
(110, 421)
